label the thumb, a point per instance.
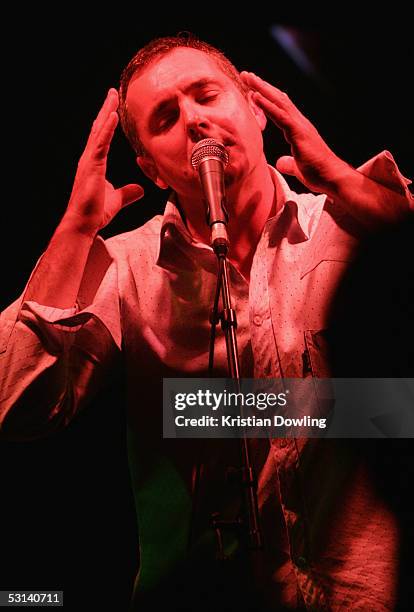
(130, 193)
(287, 165)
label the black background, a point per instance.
(67, 516)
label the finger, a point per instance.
(278, 115)
(287, 165)
(272, 93)
(130, 193)
(101, 146)
(110, 105)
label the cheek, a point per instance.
(246, 125)
(250, 140)
(175, 169)
(168, 154)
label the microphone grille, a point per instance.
(208, 147)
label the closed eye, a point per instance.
(205, 99)
(170, 118)
(167, 121)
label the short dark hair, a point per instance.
(157, 48)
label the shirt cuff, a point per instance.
(60, 323)
(66, 319)
(383, 169)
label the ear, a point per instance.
(257, 111)
(150, 170)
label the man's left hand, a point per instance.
(312, 161)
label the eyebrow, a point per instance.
(164, 104)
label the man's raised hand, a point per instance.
(312, 161)
(94, 201)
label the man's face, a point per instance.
(181, 98)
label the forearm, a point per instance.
(57, 278)
(370, 202)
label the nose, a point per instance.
(196, 123)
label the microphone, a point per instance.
(209, 157)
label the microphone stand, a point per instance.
(228, 320)
(209, 158)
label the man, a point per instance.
(329, 541)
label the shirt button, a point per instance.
(257, 320)
(283, 443)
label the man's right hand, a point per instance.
(94, 201)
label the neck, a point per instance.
(250, 205)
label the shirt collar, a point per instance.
(305, 210)
(177, 248)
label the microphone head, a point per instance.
(208, 148)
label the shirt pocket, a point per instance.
(341, 253)
(322, 277)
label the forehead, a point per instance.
(173, 72)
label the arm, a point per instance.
(52, 357)
(317, 166)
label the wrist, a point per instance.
(341, 178)
(76, 224)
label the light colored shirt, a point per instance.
(145, 299)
